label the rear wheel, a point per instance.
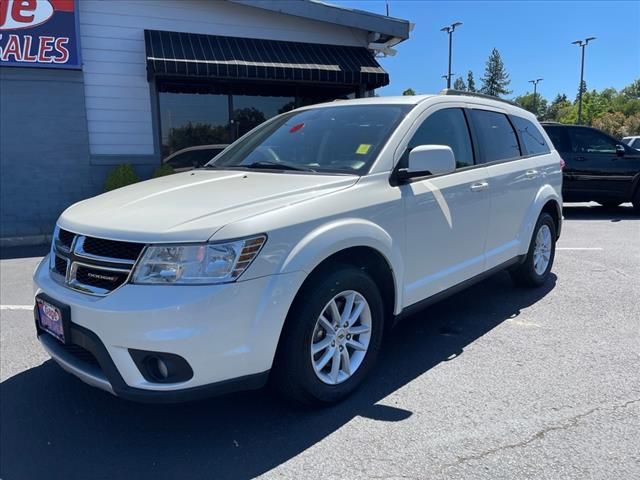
(536, 267)
(331, 337)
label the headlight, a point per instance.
(205, 263)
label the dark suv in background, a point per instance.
(597, 166)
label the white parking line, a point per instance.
(16, 307)
(579, 248)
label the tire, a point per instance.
(294, 375)
(610, 204)
(526, 274)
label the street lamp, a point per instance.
(450, 29)
(535, 95)
(581, 44)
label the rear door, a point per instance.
(513, 182)
(598, 171)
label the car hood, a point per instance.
(192, 206)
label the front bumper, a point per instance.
(227, 333)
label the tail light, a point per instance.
(562, 164)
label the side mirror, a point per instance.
(428, 160)
(620, 150)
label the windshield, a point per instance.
(340, 139)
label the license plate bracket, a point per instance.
(53, 317)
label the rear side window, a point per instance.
(635, 143)
(446, 127)
(533, 141)
(560, 138)
(498, 140)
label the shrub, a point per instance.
(163, 170)
(121, 176)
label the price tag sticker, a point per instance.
(363, 149)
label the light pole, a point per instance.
(446, 77)
(581, 44)
(450, 29)
(535, 94)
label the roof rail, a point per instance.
(451, 91)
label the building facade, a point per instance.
(87, 85)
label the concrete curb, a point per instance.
(28, 241)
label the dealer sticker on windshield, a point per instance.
(363, 149)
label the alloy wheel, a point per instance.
(341, 337)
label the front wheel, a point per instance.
(536, 267)
(331, 337)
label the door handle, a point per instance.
(478, 187)
(531, 174)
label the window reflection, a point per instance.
(217, 118)
(250, 111)
(191, 119)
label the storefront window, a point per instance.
(193, 115)
(190, 119)
(250, 111)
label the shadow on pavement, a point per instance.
(29, 251)
(54, 426)
(597, 212)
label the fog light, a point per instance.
(160, 367)
(163, 370)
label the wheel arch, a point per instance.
(355, 242)
(553, 208)
(547, 200)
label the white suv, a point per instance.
(289, 256)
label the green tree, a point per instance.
(615, 112)
(613, 123)
(496, 79)
(408, 92)
(536, 105)
(553, 110)
(471, 83)
(582, 87)
(459, 84)
(632, 91)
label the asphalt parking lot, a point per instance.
(495, 382)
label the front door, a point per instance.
(597, 170)
(447, 215)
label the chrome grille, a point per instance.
(92, 265)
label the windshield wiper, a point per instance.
(279, 166)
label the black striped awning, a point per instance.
(174, 54)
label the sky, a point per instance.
(533, 37)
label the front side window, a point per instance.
(340, 139)
(446, 127)
(585, 140)
(534, 142)
(497, 138)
